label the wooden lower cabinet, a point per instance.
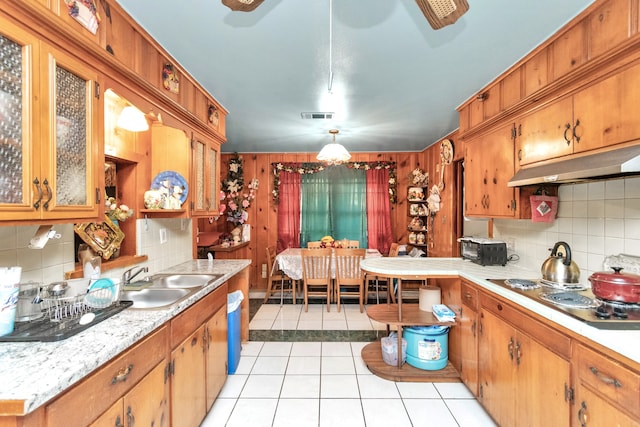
(521, 381)
(606, 392)
(188, 381)
(198, 358)
(216, 362)
(128, 376)
(146, 404)
(468, 329)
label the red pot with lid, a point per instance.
(616, 286)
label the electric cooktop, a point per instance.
(578, 302)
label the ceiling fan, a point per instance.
(439, 13)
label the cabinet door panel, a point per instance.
(146, 403)
(216, 363)
(18, 51)
(497, 375)
(608, 111)
(591, 410)
(69, 177)
(188, 382)
(542, 377)
(541, 135)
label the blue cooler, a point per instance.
(427, 346)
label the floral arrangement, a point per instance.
(419, 177)
(115, 212)
(319, 167)
(237, 200)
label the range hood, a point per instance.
(601, 165)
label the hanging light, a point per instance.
(242, 5)
(132, 119)
(333, 153)
(440, 13)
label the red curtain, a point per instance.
(378, 210)
(289, 211)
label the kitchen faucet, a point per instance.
(129, 274)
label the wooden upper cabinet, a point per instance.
(120, 37)
(205, 180)
(569, 51)
(511, 88)
(52, 121)
(536, 72)
(607, 111)
(541, 134)
(488, 168)
(598, 116)
(610, 25)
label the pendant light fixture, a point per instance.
(333, 153)
(440, 13)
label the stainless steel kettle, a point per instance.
(560, 268)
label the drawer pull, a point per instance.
(122, 375)
(583, 415)
(605, 379)
(510, 348)
(131, 419)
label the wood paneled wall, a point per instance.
(263, 211)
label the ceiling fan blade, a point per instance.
(440, 13)
(242, 5)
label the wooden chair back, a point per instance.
(353, 244)
(313, 245)
(349, 276)
(316, 274)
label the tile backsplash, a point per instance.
(596, 219)
(51, 262)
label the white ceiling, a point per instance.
(397, 82)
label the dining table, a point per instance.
(290, 262)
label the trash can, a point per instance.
(234, 299)
(427, 346)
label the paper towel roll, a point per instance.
(428, 297)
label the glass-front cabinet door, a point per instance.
(48, 124)
(206, 157)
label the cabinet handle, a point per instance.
(510, 348)
(468, 296)
(194, 341)
(118, 422)
(583, 415)
(575, 134)
(520, 154)
(36, 204)
(520, 129)
(122, 375)
(567, 127)
(518, 353)
(473, 328)
(49, 192)
(131, 420)
(605, 379)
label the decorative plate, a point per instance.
(103, 237)
(171, 183)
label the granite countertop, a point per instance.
(626, 343)
(35, 372)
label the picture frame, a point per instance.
(103, 237)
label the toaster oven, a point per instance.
(483, 251)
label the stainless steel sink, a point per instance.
(174, 281)
(165, 290)
(156, 297)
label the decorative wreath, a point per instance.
(309, 168)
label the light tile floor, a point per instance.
(327, 383)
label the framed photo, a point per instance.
(104, 237)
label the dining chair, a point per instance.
(278, 280)
(349, 276)
(316, 275)
(382, 284)
(313, 245)
(353, 244)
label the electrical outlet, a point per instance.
(163, 235)
(264, 271)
